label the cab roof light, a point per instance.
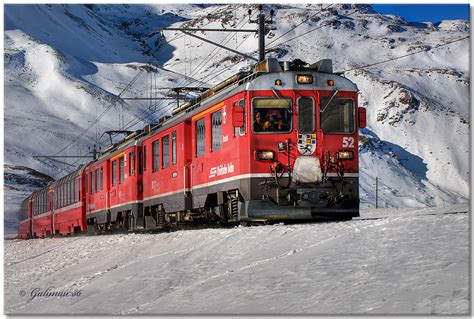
(304, 79)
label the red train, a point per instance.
(277, 143)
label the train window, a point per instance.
(140, 167)
(242, 129)
(101, 176)
(73, 191)
(155, 154)
(144, 158)
(131, 167)
(173, 148)
(216, 121)
(200, 137)
(92, 184)
(77, 192)
(337, 117)
(306, 116)
(272, 115)
(165, 150)
(97, 180)
(114, 173)
(121, 169)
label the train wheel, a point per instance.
(92, 228)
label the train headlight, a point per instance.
(345, 155)
(304, 79)
(265, 155)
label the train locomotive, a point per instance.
(276, 143)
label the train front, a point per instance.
(303, 143)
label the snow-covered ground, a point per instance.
(388, 261)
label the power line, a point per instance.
(311, 30)
(292, 29)
(127, 87)
(405, 55)
(196, 69)
(144, 114)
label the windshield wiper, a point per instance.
(333, 94)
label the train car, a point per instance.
(113, 189)
(68, 215)
(166, 163)
(24, 228)
(42, 213)
(295, 155)
(277, 143)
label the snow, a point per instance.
(388, 261)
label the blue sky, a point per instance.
(425, 12)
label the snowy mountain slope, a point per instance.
(410, 261)
(19, 182)
(65, 66)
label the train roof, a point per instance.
(261, 77)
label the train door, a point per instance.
(187, 153)
(112, 198)
(201, 144)
(305, 123)
(100, 189)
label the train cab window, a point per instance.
(306, 116)
(114, 173)
(271, 115)
(165, 149)
(200, 137)
(155, 154)
(337, 116)
(173, 148)
(216, 121)
(121, 169)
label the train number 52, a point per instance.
(348, 142)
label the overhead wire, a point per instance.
(196, 69)
(292, 29)
(405, 55)
(145, 114)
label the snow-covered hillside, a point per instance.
(66, 64)
(389, 261)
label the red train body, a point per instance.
(278, 143)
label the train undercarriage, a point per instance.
(255, 201)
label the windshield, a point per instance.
(338, 116)
(271, 115)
